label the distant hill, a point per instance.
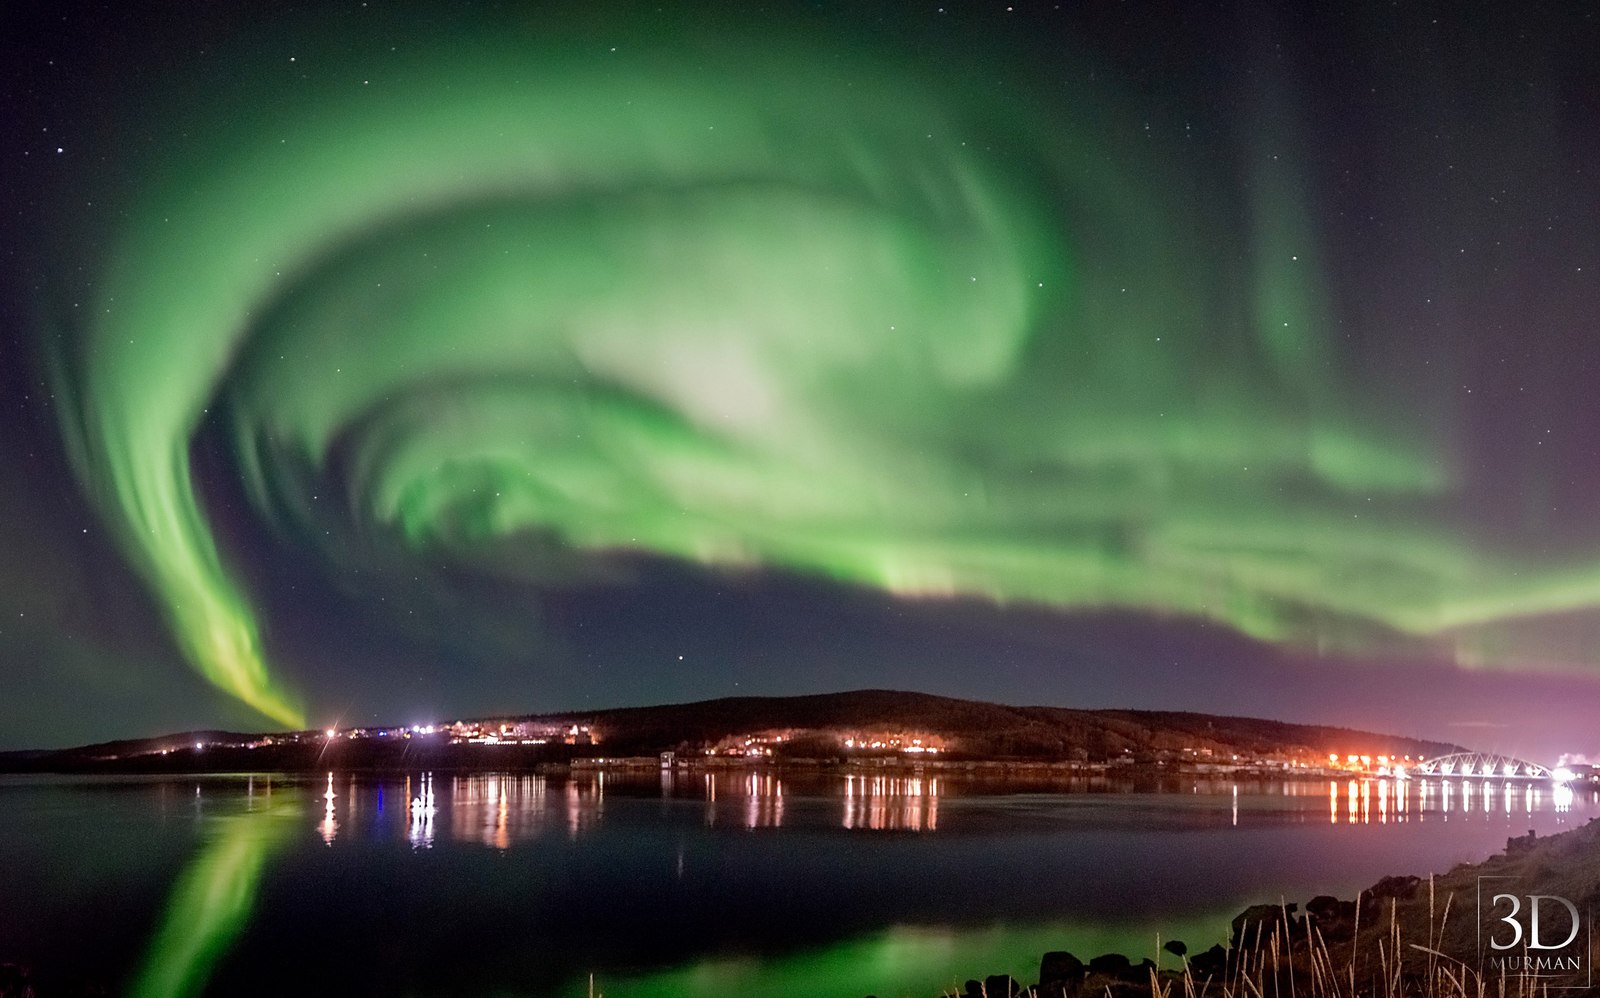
(986, 729)
(813, 726)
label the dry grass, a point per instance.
(1381, 964)
(1292, 960)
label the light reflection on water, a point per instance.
(892, 803)
(748, 877)
(330, 825)
(501, 809)
(419, 812)
(1442, 800)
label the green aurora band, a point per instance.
(755, 310)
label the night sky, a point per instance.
(380, 362)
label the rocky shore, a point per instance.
(1333, 946)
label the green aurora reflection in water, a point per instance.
(212, 901)
(509, 304)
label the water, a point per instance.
(681, 885)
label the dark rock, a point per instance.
(1255, 925)
(1110, 964)
(1400, 888)
(1177, 948)
(1323, 907)
(973, 989)
(1060, 966)
(1213, 963)
(1334, 919)
(1000, 986)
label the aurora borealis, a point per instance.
(442, 330)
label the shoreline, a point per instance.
(544, 762)
(1404, 935)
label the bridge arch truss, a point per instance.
(1481, 765)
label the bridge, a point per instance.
(1481, 765)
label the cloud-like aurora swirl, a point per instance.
(761, 310)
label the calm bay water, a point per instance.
(686, 884)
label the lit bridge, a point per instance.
(1482, 766)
